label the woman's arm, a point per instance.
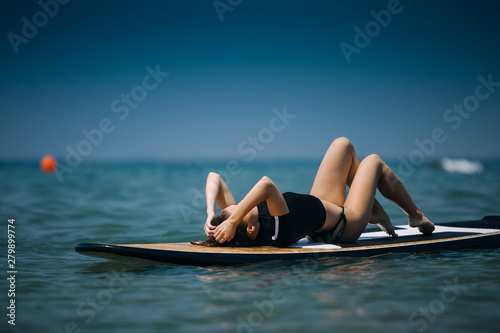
(265, 189)
(216, 190)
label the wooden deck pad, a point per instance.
(484, 233)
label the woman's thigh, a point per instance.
(359, 202)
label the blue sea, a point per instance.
(58, 290)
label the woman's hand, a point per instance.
(225, 231)
(209, 228)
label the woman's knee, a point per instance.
(374, 161)
(342, 143)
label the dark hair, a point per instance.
(240, 238)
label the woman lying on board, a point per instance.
(267, 217)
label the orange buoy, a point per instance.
(48, 164)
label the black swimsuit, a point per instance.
(327, 236)
(306, 215)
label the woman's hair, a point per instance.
(240, 237)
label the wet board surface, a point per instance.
(483, 233)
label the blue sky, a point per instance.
(255, 78)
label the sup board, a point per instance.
(483, 233)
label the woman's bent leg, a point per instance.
(337, 170)
(373, 173)
(393, 189)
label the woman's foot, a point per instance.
(422, 223)
(380, 218)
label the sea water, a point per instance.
(59, 290)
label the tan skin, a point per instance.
(340, 168)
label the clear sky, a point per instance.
(252, 78)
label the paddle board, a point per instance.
(483, 233)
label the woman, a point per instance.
(267, 217)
